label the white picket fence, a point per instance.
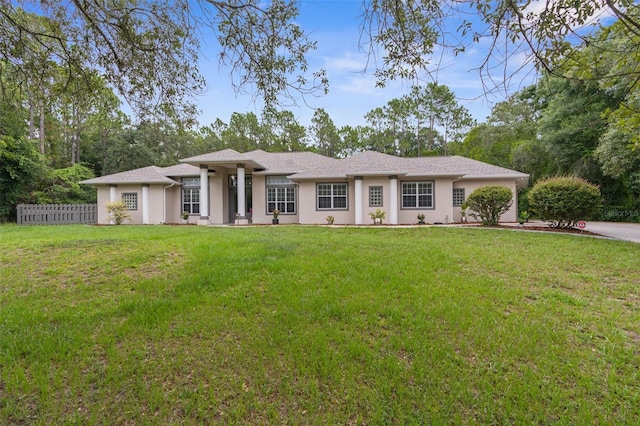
(57, 214)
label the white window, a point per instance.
(375, 196)
(283, 199)
(417, 195)
(281, 195)
(191, 181)
(191, 200)
(458, 197)
(278, 180)
(191, 195)
(130, 199)
(331, 196)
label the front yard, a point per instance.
(316, 325)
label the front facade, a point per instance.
(228, 187)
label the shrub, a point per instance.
(118, 212)
(563, 201)
(377, 216)
(489, 203)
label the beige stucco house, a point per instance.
(228, 187)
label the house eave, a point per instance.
(131, 182)
(377, 173)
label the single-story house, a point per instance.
(229, 187)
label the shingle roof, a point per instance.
(376, 163)
(309, 165)
(287, 162)
(226, 155)
(150, 174)
(180, 170)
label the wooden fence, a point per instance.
(56, 214)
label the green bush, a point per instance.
(563, 201)
(118, 212)
(489, 203)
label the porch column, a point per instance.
(393, 200)
(358, 200)
(241, 193)
(145, 203)
(113, 193)
(204, 193)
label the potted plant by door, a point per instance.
(275, 220)
(464, 207)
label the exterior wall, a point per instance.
(470, 185)
(368, 182)
(103, 199)
(442, 202)
(156, 207)
(260, 215)
(173, 199)
(156, 204)
(218, 190)
(259, 209)
(136, 215)
(308, 213)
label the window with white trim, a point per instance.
(458, 197)
(375, 196)
(331, 196)
(191, 195)
(281, 195)
(130, 199)
(417, 195)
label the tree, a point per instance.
(540, 34)
(421, 122)
(286, 133)
(506, 138)
(148, 51)
(21, 167)
(324, 134)
(489, 203)
(436, 108)
(62, 186)
(572, 123)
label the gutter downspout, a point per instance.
(164, 203)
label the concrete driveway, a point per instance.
(616, 230)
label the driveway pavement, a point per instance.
(616, 230)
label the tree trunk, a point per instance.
(32, 129)
(41, 130)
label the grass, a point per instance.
(316, 325)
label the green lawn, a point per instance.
(316, 325)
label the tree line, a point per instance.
(65, 66)
(582, 119)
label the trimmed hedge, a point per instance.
(488, 203)
(564, 200)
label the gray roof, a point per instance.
(288, 162)
(370, 163)
(309, 165)
(149, 175)
(226, 155)
(180, 170)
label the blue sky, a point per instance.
(335, 24)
